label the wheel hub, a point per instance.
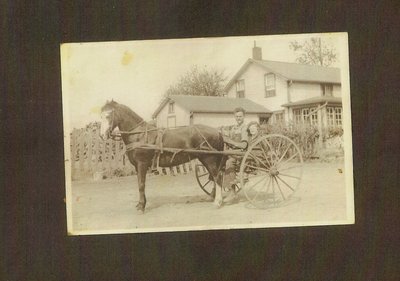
(273, 171)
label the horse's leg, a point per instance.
(210, 162)
(141, 175)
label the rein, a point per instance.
(131, 131)
(118, 135)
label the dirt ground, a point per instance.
(178, 203)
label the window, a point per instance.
(263, 120)
(338, 116)
(334, 116)
(240, 88)
(297, 116)
(171, 108)
(327, 90)
(279, 118)
(305, 115)
(269, 85)
(314, 116)
(305, 112)
(331, 115)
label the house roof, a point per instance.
(314, 100)
(207, 104)
(293, 71)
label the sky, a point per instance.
(138, 73)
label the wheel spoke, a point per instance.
(272, 150)
(258, 159)
(258, 192)
(206, 183)
(285, 183)
(266, 192)
(265, 155)
(279, 145)
(258, 168)
(283, 155)
(280, 190)
(290, 176)
(256, 183)
(255, 176)
(294, 155)
(269, 184)
(203, 175)
(289, 168)
(273, 191)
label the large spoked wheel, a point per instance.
(271, 171)
(203, 178)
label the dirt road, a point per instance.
(177, 203)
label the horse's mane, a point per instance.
(125, 109)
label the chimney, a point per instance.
(257, 52)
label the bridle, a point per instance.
(118, 136)
(109, 133)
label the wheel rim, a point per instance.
(271, 171)
(202, 176)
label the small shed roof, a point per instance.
(315, 100)
(293, 71)
(207, 104)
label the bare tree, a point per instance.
(199, 82)
(314, 51)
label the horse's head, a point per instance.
(118, 115)
(109, 119)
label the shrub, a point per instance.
(332, 132)
(304, 135)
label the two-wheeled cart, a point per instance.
(269, 173)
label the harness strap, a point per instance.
(173, 155)
(205, 140)
(159, 144)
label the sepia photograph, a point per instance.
(207, 133)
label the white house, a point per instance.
(180, 110)
(297, 92)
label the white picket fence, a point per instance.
(93, 158)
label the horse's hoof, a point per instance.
(212, 195)
(140, 208)
(218, 204)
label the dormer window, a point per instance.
(171, 107)
(327, 90)
(240, 89)
(269, 80)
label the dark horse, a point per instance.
(136, 132)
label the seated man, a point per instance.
(237, 139)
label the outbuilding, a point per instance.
(181, 110)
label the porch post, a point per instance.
(324, 121)
(320, 126)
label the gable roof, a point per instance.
(314, 100)
(293, 71)
(207, 104)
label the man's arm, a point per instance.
(238, 144)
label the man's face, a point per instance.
(239, 116)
